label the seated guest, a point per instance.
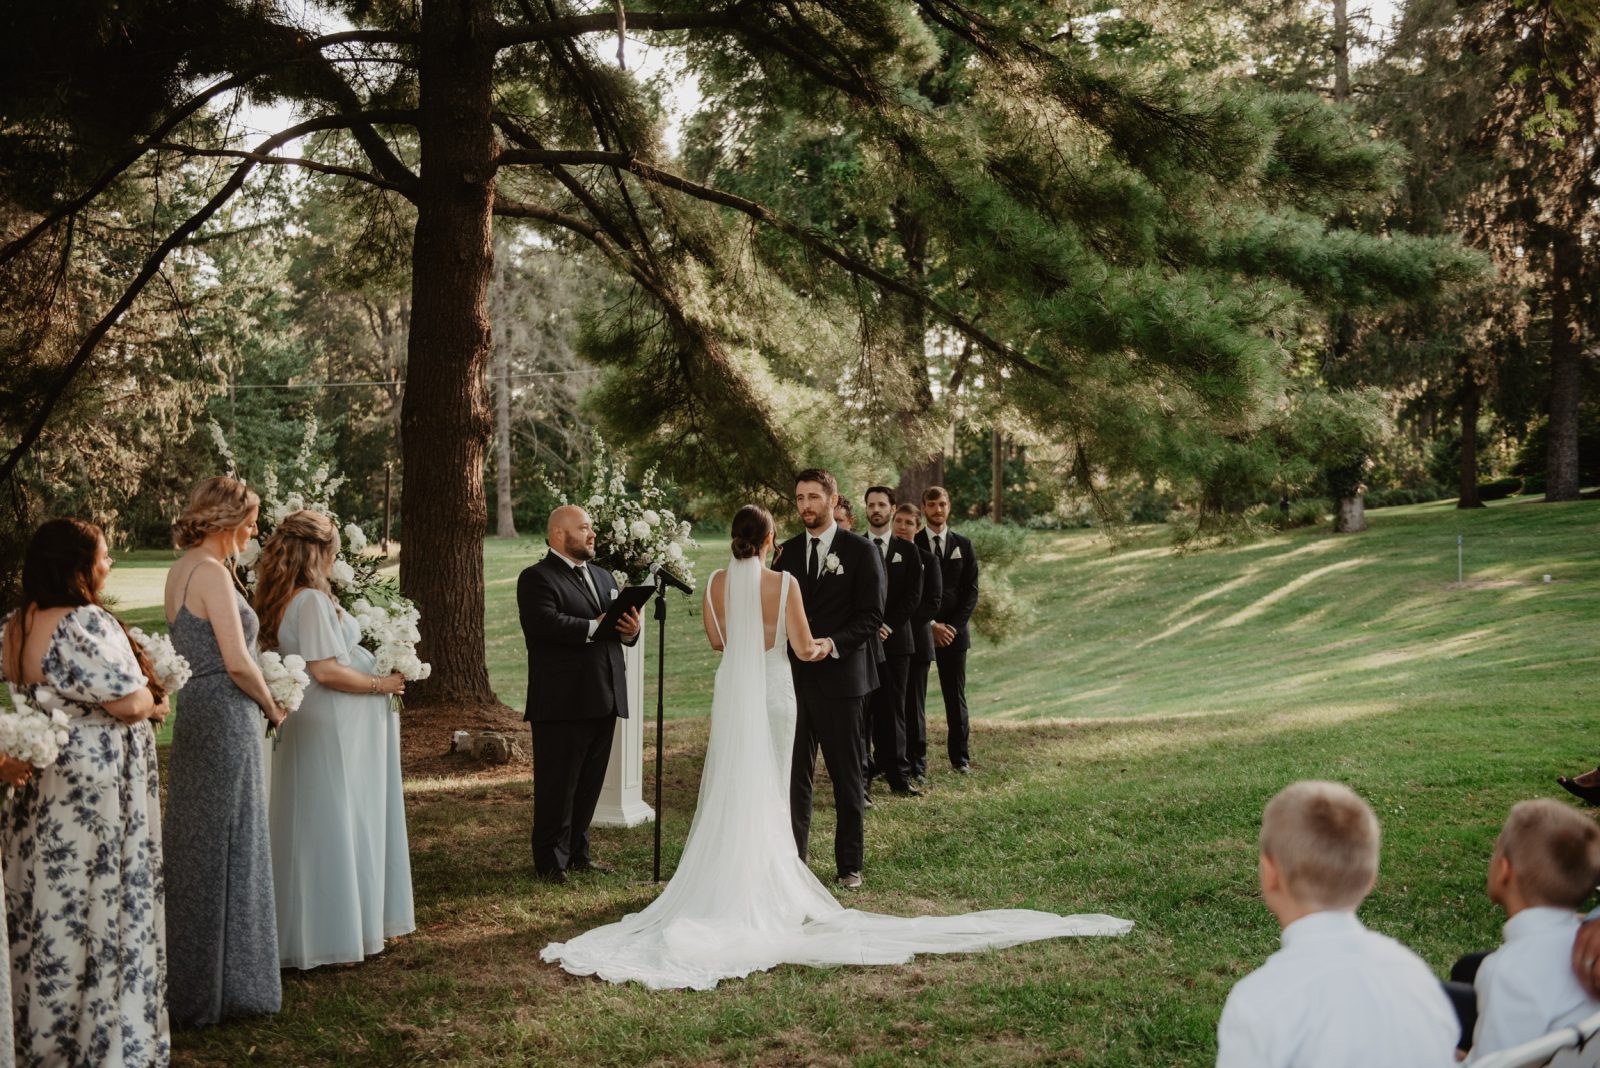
(1336, 994)
(1545, 863)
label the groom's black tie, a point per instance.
(813, 571)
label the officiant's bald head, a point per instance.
(570, 532)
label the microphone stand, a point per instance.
(661, 704)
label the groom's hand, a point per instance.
(821, 649)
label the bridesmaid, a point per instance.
(82, 839)
(223, 955)
(340, 864)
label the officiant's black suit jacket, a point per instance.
(569, 677)
(846, 607)
(903, 562)
(960, 573)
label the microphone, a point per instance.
(663, 577)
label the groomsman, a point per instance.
(886, 710)
(907, 521)
(959, 565)
(843, 587)
(576, 690)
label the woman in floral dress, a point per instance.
(81, 840)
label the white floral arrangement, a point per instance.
(354, 576)
(35, 728)
(171, 668)
(633, 534)
(286, 677)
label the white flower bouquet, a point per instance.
(634, 534)
(286, 677)
(392, 635)
(171, 668)
(35, 728)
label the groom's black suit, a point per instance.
(831, 694)
(576, 692)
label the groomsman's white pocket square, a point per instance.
(896, 559)
(615, 594)
(955, 554)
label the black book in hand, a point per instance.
(627, 598)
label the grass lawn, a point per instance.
(1123, 751)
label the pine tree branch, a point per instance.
(305, 49)
(580, 192)
(560, 29)
(152, 266)
(286, 161)
(811, 239)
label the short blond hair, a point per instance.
(1324, 840)
(1554, 852)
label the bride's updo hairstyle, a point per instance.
(751, 525)
(217, 504)
(298, 556)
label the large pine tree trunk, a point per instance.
(997, 476)
(927, 470)
(1566, 353)
(446, 409)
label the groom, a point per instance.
(842, 583)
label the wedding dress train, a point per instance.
(742, 900)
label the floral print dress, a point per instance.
(82, 852)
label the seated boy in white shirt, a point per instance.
(1336, 994)
(1545, 864)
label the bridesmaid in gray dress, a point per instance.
(340, 862)
(222, 949)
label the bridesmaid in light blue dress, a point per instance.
(341, 869)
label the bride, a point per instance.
(742, 900)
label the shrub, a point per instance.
(1398, 495)
(1499, 488)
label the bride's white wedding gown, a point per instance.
(742, 900)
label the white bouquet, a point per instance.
(392, 635)
(633, 535)
(36, 727)
(172, 670)
(286, 677)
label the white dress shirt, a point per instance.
(1526, 987)
(1338, 996)
(826, 547)
(583, 573)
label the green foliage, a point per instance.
(1003, 612)
(1530, 462)
(1499, 489)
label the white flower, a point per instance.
(34, 730)
(652, 517)
(639, 529)
(355, 538)
(620, 578)
(832, 566)
(250, 553)
(171, 669)
(683, 530)
(596, 501)
(674, 552)
(343, 574)
(286, 678)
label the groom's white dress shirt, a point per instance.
(1526, 987)
(824, 547)
(1338, 996)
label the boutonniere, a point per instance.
(955, 554)
(832, 565)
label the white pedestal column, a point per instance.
(622, 796)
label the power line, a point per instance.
(400, 382)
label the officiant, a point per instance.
(576, 689)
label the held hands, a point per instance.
(276, 715)
(393, 683)
(160, 712)
(944, 635)
(821, 649)
(883, 632)
(14, 772)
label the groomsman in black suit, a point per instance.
(843, 588)
(907, 521)
(576, 690)
(902, 562)
(950, 638)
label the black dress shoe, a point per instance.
(592, 866)
(866, 802)
(905, 791)
(1589, 795)
(556, 877)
